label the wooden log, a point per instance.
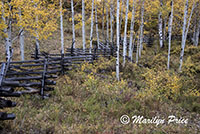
(43, 78)
(31, 84)
(27, 61)
(28, 73)
(7, 116)
(29, 78)
(6, 103)
(30, 90)
(48, 89)
(10, 94)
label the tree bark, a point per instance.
(61, 28)
(73, 27)
(21, 38)
(111, 22)
(91, 28)
(170, 32)
(125, 34)
(131, 47)
(188, 26)
(164, 30)
(137, 52)
(107, 26)
(141, 29)
(160, 24)
(117, 59)
(7, 31)
(96, 19)
(37, 43)
(121, 18)
(183, 34)
(103, 20)
(83, 23)
(197, 35)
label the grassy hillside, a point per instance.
(89, 100)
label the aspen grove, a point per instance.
(117, 53)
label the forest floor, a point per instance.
(89, 100)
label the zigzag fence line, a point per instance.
(37, 76)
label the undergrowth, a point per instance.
(89, 99)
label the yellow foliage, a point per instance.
(161, 85)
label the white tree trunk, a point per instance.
(103, 20)
(125, 34)
(170, 32)
(111, 22)
(121, 18)
(117, 59)
(61, 28)
(131, 47)
(164, 30)
(183, 34)
(137, 51)
(73, 28)
(141, 29)
(160, 24)
(92, 24)
(21, 38)
(107, 26)
(188, 26)
(195, 31)
(37, 36)
(7, 31)
(197, 35)
(97, 31)
(83, 23)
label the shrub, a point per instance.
(161, 85)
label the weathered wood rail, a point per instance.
(37, 76)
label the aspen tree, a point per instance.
(137, 51)
(188, 25)
(121, 18)
(125, 34)
(73, 27)
(61, 27)
(141, 28)
(197, 34)
(7, 31)
(183, 34)
(39, 18)
(164, 29)
(131, 46)
(111, 22)
(160, 24)
(83, 23)
(96, 21)
(103, 21)
(21, 38)
(117, 59)
(185, 30)
(91, 28)
(170, 32)
(107, 25)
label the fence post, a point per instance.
(62, 64)
(43, 78)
